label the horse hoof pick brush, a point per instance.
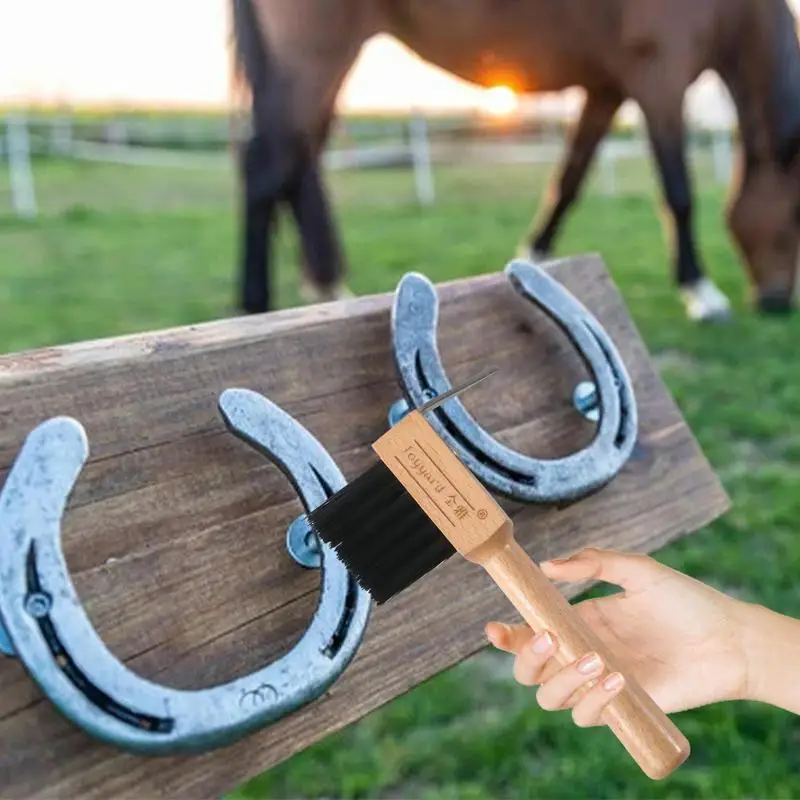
(417, 506)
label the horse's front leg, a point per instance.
(264, 172)
(322, 269)
(598, 112)
(704, 302)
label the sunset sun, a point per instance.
(499, 101)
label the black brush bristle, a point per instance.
(380, 533)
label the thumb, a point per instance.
(631, 571)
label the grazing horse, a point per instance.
(295, 55)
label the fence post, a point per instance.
(609, 169)
(116, 133)
(23, 193)
(421, 160)
(723, 156)
(61, 136)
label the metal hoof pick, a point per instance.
(509, 473)
(43, 623)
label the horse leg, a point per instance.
(598, 112)
(703, 301)
(264, 172)
(322, 260)
(295, 70)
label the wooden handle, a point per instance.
(467, 515)
(647, 733)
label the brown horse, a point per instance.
(295, 54)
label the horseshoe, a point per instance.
(519, 477)
(43, 624)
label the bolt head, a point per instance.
(38, 604)
(584, 398)
(397, 411)
(302, 544)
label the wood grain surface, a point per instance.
(175, 532)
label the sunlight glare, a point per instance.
(500, 101)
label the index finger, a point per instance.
(630, 571)
(510, 638)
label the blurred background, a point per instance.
(118, 214)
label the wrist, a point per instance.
(771, 648)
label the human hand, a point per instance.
(679, 638)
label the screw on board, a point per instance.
(302, 544)
(38, 604)
(584, 398)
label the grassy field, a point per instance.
(119, 250)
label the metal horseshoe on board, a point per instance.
(43, 623)
(421, 374)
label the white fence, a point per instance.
(412, 144)
(18, 149)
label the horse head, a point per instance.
(764, 220)
(765, 217)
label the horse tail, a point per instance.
(249, 64)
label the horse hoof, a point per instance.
(721, 317)
(310, 293)
(246, 309)
(527, 253)
(775, 304)
(705, 303)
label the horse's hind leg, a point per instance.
(663, 111)
(596, 116)
(322, 259)
(296, 57)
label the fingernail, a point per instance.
(589, 664)
(542, 643)
(613, 682)
(566, 559)
(559, 562)
(505, 630)
(497, 636)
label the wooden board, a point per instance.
(175, 533)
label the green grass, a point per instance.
(119, 250)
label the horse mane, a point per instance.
(786, 84)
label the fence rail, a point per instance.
(416, 143)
